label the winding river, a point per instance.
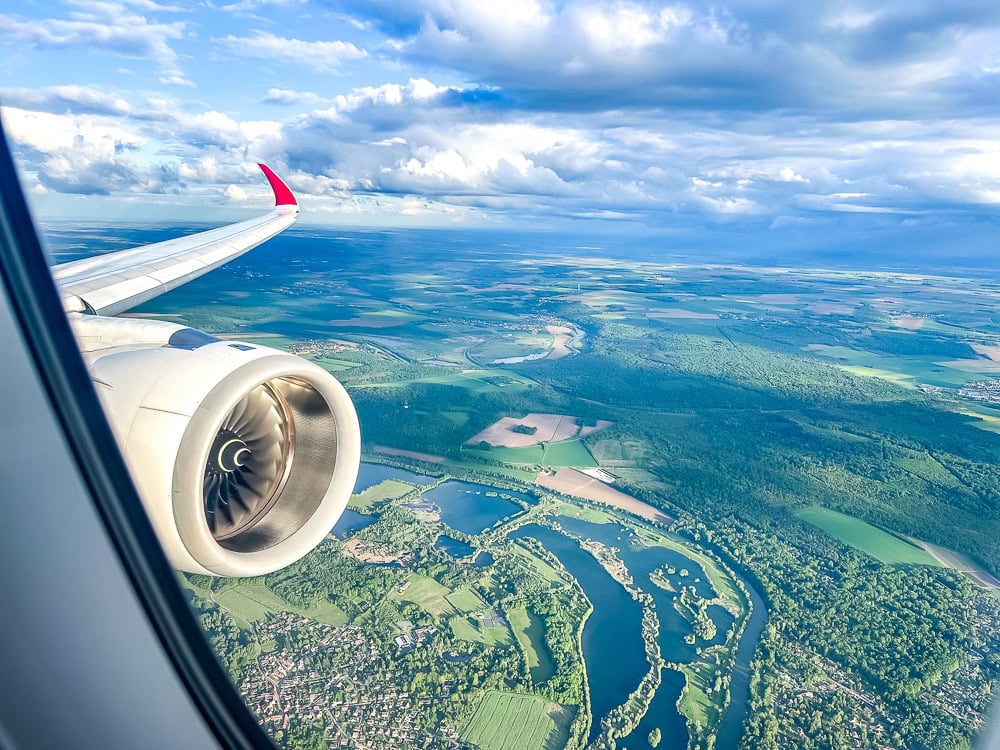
(612, 637)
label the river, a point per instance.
(614, 672)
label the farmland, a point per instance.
(509, 721)
(871, 540)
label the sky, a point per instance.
(806, 122)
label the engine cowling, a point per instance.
(244, 456)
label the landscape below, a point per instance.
(560, 431)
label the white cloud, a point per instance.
(290, 97)
(108, 27)
(325, 56)
(235, 194)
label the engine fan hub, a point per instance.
(229, 453)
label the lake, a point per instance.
(466, 507)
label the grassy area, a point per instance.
(254, 600)
(866, 371)
(389, 489)
(695, 703)
(564, 453)
(567, 453)
(475, 381)
(521, 475)
(511, 721)
(926, 467)
(529, 629)
(331, 364)
(457, 418)
(585, 513)
(427, 594)
(470, 629)
(536, 564)
(466, 600)
(529, 454)
(861, 535)
(983, 419)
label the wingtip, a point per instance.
(283, 195)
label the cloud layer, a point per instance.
(534, 112)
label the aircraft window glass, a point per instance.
(546, 378)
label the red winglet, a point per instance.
(282, 195)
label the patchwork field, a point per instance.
(538, 428)
(861, 535)
(510, 721)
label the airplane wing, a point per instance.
(244, 456)
(115, 282)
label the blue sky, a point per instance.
(812, 120)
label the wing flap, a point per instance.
(113, 283)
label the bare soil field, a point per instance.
(830, 308)
(602, 424)
(676, 312)
(993, 352)
(561, 336)
(572, 482)
(972, 365)
(360, 551)
(961, 563)
(910, 322)
(549, 428)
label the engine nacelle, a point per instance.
(244, 456)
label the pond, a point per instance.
(351, 522)
(466, 506)
(453, 547)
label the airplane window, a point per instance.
(553, 375)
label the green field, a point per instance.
(466, 600)
(567, 453)
(564, 453)
(510, 721)
(389, 489)
(522, 475)
(253, 601)
(331, 364)
(427, 594)
(529, 454)
(470, 629)
(586, 513)
(695, 703)
(475, 381)
(529, 629)
(861, 535)
(536, 564)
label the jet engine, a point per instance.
(244, 456)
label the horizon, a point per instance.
(871, 126)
